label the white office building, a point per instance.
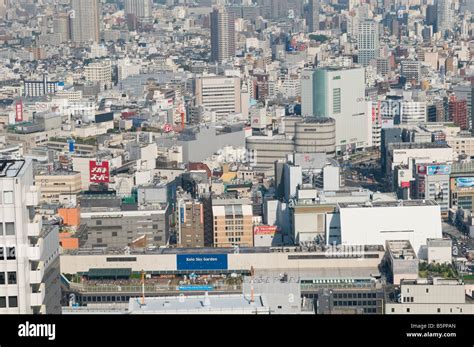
(413, 112)
(378, 222)
(29, 251)
(339, 93)
(219, 94)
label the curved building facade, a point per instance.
(316, 135)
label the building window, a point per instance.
(393, 310)
(98, 222)
(12, 277)
(11, 254)
(9, 229)
(427, 290)
(8, 197)
(1, 229)
(12, 301)
(2, 277)
(2, 253)
(99, 240)
(3, 301)
(408, 310)
(114, 233)
(439, 310)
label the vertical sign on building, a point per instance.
(99, 171)
(71, 145)
(19, 112)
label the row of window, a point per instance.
(355, 295)
(355, 303)
(10, 277)
(12, 301)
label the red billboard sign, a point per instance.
(99, 171)
(265, 230)
(405, 184)
(19, 112)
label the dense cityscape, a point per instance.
(308, 157)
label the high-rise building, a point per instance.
(465, 91)
(222, 35)
(3, 9)
(444, 15)
(368, 41)
(432, 17)
(411, 70)
(29, 251)
(339, 93)
(313, 15)
(458, 113)
(85, 21)
(219, 94)
(62, 26)
(141, 9)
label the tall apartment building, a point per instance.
(444, 17)
(219, 94)
(85, 21)
(368, 41)
(458, 113)
(29, 251)
(62, 26)
(222, 35)
(313, 15)
(142, 9)
(232, 222)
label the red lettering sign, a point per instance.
(99, 171)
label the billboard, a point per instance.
(431, 170)
(19, 112)
(99, 171)
(104, 117)
(199, 288)
(201, 261)
(465, 182)
(71, 143)
(438, 170)
(265, 230)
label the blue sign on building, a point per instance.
(201, 261)
(199, 288)
(71, 144)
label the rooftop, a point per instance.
(399, 203)
(197, 304)
(401, 250)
